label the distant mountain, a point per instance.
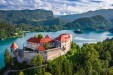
(107, 13)
(97, 22)
(32, 17)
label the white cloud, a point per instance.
(57, 6)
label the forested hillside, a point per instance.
(43, 20)
(8, 31)
(107, 13)
(31, 17)
(39, 28)
(97, 22)
(90, 59)
(13, 16)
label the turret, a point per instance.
(47, 36)
(14, 48)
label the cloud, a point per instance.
(57, 6)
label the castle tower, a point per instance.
(14, 48)
(47, 36)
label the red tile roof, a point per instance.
(63, 37)
(41, 48)
(14, 46)
(39, 40)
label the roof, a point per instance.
(47, 36)
(63, 37)
(14, 45)
(41, 48)
(40, 40)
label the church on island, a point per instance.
(47, 47)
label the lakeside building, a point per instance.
(56, 47)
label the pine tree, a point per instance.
(7, 58)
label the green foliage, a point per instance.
(38, 36)
(39, 71)
(47, 73)
(30, 17)
(90, 59)
(25, 16)
(80, 72)
(37, 61)
(46, 46)
(74, 45)
(7, 31)
(96, 22)
(110, 71)
(21, 73)
(7, 58)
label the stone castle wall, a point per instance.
(53, 53)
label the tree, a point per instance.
(37, 61)
(80, 72)
(89, 56)
(46, 46)
(38, 36)
(68, 69)
(21, 73)
(110, 71)
(7, 58)
(39, 71)
(73, 45)
(108, 55)
(47, 73)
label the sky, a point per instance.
(59, 7)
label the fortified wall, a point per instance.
(51, 54)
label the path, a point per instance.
(8, 71)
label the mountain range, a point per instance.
(96, 22)
(31, 17)
(107, 13)
(45, 20)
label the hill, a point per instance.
(107, 13)
(31, 17)
(97, 22)
(8, 31)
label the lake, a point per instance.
(86, 37)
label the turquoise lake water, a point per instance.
(87, 37)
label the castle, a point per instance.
(56, 47)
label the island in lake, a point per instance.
(78, 31)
